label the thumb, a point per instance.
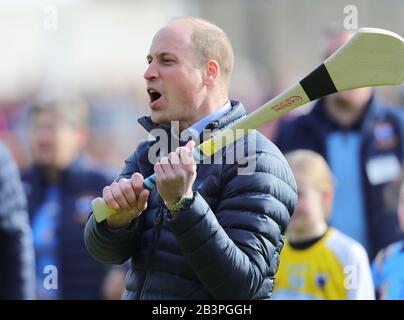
(190, 144)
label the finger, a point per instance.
(137, 182)
(166, 166)
(158, 170)
(186, 156)
(190, 145)
(128, 191)
(118, 196)
(109, 198)
(142, 200)
(174, 160)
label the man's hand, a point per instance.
(128, 198)
(176, 173)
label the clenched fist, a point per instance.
(127, 198)
(176, 173)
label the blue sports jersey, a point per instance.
(388, 272)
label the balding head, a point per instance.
(209, 42)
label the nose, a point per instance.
(151, 72)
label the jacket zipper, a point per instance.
(156, 236)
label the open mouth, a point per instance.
(153, 94)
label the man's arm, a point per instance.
(108, 245)
(17, 263)
(235, 249)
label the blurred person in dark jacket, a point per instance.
(17, 262)
(207, 232)
(362, 139)
(60, 186)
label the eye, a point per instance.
(167, 61)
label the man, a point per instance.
(60, 185)
(205, 233)
(17, 261)
(362, 140)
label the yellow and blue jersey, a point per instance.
(388, 272)
(335, 267)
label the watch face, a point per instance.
(188, 201)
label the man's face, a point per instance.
(174, 81)
(53, 142)
(350, 102)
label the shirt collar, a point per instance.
(196, 128)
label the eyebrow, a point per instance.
(161, 54)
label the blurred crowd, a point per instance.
(346, 154)
(57, 152)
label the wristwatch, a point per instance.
(185, 202)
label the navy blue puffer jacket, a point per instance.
(225, 246)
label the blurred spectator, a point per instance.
(60, 186)
(388, 267)
(362, 140)
(17, 262)
(318, 262)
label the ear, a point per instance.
(328, 199)
(329, 195)
(83, 136)
(212, 72)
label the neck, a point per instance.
(344, 111)
(308, 233)
(210, 105)
(50, 173)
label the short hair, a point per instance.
(315, 169)
(211, 42)
(72, 110)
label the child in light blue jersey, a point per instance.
(388, 266)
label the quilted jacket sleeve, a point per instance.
(235, 249)
(107, 245)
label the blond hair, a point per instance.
(313, 167)
(209, 42)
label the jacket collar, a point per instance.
(235, 113)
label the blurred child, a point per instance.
(388, 266)
(319, 262)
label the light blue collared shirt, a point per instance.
(344, 159)
(196, 128)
